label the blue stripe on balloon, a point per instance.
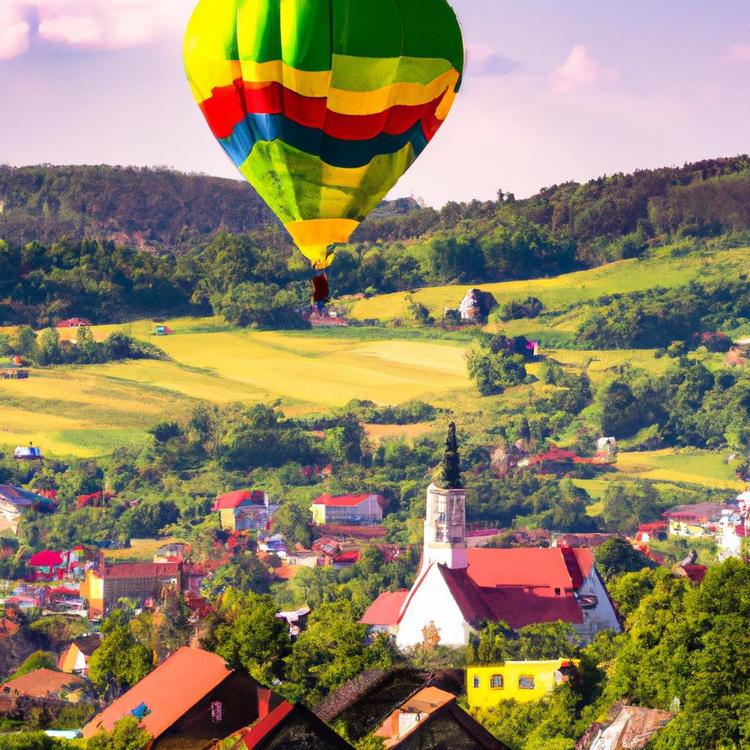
(333, 151)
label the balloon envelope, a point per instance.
(324, 104)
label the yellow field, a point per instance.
(379, 432)
(140, 550)
(88, 410)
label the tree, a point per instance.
(126, 735)
(617, 556)
(450, 474)
(37, 660)
(245, 573)
(249, 635)
(121, 660)
(292, 521)
(331, 651)
(25, 344)
(48, 348)
(627, 504)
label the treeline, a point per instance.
(658, 317)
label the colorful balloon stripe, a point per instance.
(229, 106)
(324, 104)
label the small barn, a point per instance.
(476, 306)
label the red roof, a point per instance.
(343, 501)
(257, 733)
(142, 570)
(233, 500)
(518, 586)
(347, 558)
(73, 323)
(386, 608)
(46, 559)
(696, 573)
(170, 691)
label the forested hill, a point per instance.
(72, 239)
(152, 209)
(164, 210)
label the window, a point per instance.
(476, 682)
(526, 683)
(496, 682)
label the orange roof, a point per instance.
(232, 500)
(42, 682)
(170, 691)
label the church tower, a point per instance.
(445, 521)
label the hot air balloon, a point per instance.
(324, 104)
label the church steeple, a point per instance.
(445, 522)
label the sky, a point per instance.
(553, 91)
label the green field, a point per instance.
(565, 296)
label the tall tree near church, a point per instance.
(450, 478)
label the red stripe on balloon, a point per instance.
(229, 105)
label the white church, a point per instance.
(457, 588)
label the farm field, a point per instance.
(87, 411)
(662, 268)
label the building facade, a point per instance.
(348, 509)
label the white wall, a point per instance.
(433, 602)
(603, 617)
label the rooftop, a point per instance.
(44, 682)
(342, 501)
(232, 500)
(141, 570)
(171, 690)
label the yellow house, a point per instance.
(92, 590)
(524, 681)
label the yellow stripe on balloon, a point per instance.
(317, 85)
(314, 237)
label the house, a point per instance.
(174, 552)
(244, 510)
(699, 520)
(361, 703)
(458, 588)
(189, 701)
(75, 658)
(657, 531)
(50, 565)
(627, 728)
(606, 450)
(431, 718)
(296, 620)
(273, 545)
(15, 501)
(358, 509)
(523, 681)
(74, 323)
(163, 330)
(140, 581)
(45, 684)
(476, 306)
(286, 727)
(27, 453)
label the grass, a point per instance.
(87, 411)
(661, 268)
(140, 550)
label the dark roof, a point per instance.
(363, 702)
(142, 570)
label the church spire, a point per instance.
(450, 475)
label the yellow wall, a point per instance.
(319, 515)
(92, 590)
(484, 696)
(227, 519)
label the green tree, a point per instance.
(245, 573)
(126, 735)
(25, 344)
(48, 347)
(617, 556)
(450, 471)
(37, 660)
(121, 660)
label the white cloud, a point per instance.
(15, 31)
(580, 71)
(110, 24)
(738, 54)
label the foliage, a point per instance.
(121, 660)
(450, 474)
(126, 735)
(617, 556)
(37, 660)
(498, 363)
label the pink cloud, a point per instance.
(738, 54)
(580, 71)
(112, 24)
(15, 31)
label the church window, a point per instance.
(526, 682)
(496, 682)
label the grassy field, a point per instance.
(662, 268)
(86, 411)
